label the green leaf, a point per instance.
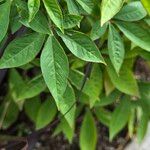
(131, 123)
(22, 9)
(135, 33)
(145, 90)
(54, 12)
(77, 63)
(109, 9)
(87, 5)
(71, 21)
(120, 117)
(39, 23)
(46, 113)
(72, 7)
(98, 31)
(54, 65)
(146, 4)
(94, 85)
(14, 19)
(33, 6)
(84, 98)
(108, 85)
(125, 82)
(108, 100)
(66, 103)
(137, 51)
(76, 78)
(147, 20)
(58, 129)
(32, 88)
(144, 100)
(22, 50)
(15, 82)
(32, 112)
(4, 18)
(82, 46)
(142, 127)
(133, 11)
(103, 115)
(67, 130)
(64, 127)
(88, 133)
(11, 109)
(115, 48)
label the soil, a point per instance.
(48, 142)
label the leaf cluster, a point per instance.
(48, 44)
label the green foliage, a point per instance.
(133, 11)
(88, 133)
(146, 4)
(54, 65)
(120, 117)
(67, 102)
(46, 113)
(76, 58)
(115, 48)
(54, 12)
(109, 9)
(32, 88)
(33, 6)
(88, 50)
(137, 34)
(4, 18)
(22, 50)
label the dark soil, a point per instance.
(48, 142)
(59, 142)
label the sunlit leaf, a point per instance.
(109, 8)
(82, 46)
(115, 48)
(54, 65)
(22, 50)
